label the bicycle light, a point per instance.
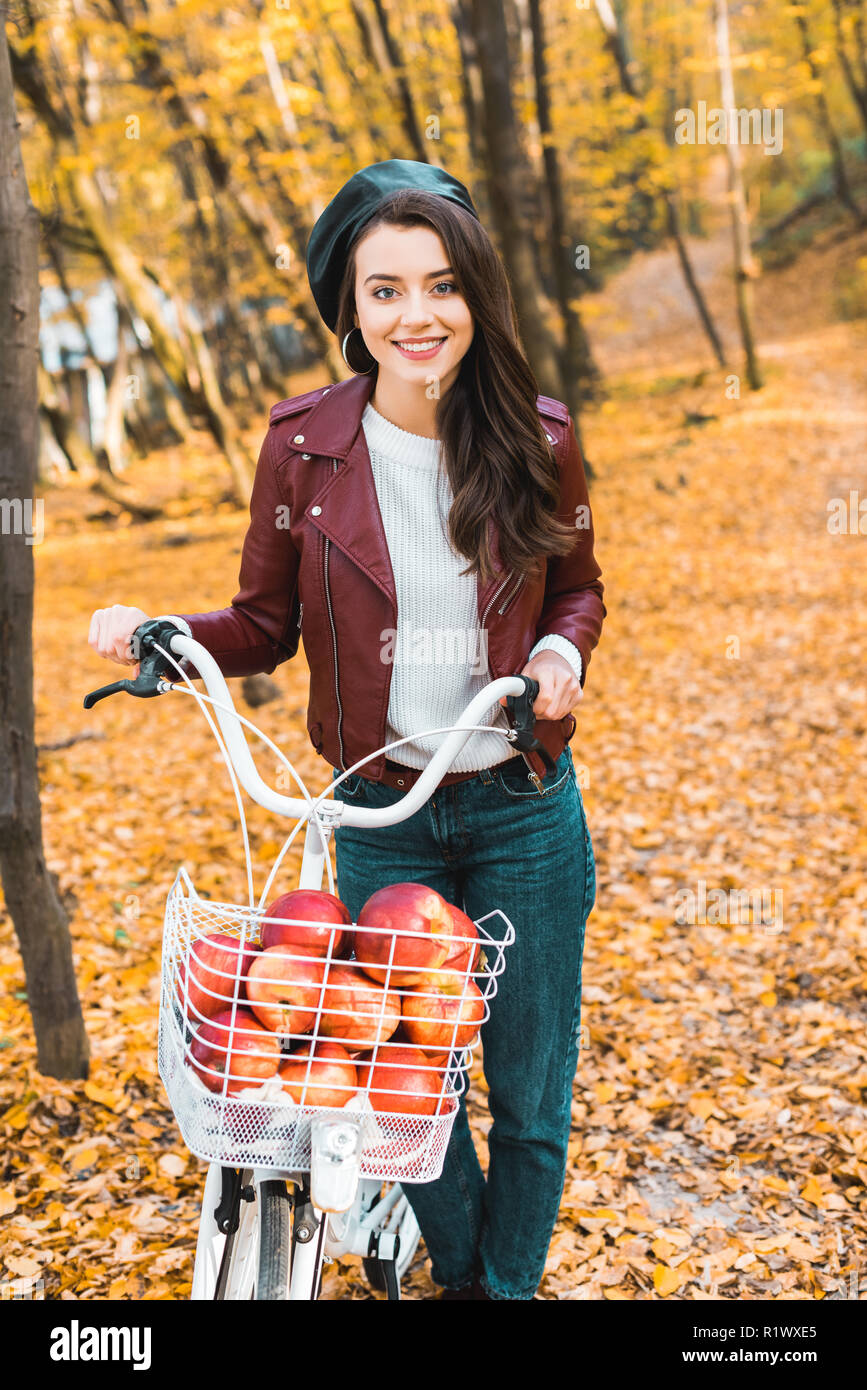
(335, 1159)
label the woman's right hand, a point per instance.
(111, 630)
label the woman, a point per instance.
(369, 497)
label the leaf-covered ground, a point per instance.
(720, 1136)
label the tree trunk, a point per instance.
(111, 456)
(471, 83)
(505, 168)
(581, 374)
(745, 265)
(61, 421)
(857, 91)
(841, 178)
(381, 50)
(40, 920)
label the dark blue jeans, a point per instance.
(495, 841)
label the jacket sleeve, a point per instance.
(573, 606)
(260, 627)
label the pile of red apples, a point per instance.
(337, 1011)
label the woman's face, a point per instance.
(405, 293)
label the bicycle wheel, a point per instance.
(251, 1262)
(275, 1241)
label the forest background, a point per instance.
(695, 289)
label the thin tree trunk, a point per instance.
(64, 427)
(505, 168)
(381, 49)
(30, 890)
(471, 81)
(857, 91)
(745, 266)
(841, 178)
(111, 455)
(580, 371)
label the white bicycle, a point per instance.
(292, 1185)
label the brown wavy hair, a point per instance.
(495, 451)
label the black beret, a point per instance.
(336, 227)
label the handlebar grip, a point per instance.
(152, 664)
(521, 706)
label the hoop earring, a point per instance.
(343, 354)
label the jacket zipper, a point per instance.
(496, 595)
(504, 605)
(334, 644)
(300, 613)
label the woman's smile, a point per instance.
(424, 348)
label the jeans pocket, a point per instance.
(352, 788)
(516, 784)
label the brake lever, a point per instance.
(152, 664)
(521, 707)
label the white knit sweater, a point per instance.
(439, 661)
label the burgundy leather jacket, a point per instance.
(316, 555)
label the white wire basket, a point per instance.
(256, 1041)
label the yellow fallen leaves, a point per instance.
(8, 1201)
(85, 1158)
(701, 1104)
(115, 1101)
(17, 1116)
(813, 1191)
(666, 1280)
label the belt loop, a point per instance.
(486, 776)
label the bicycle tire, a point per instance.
(275, 1241)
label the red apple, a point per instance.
(439, 1060)
(332, 1079)
(462, 952)
(444, 1015)
(248, 1054)
(284, 986)
(214, 975)
(407, 1071)
(356, 1010)
(419, 924)
(323, 913)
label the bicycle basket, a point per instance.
(255, 1042)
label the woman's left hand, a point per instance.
(559, 691)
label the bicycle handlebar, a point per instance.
(520, 691)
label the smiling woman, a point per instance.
(424, 303)
(454, 438)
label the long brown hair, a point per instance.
(496, 455)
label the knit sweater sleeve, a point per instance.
(555, 643)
